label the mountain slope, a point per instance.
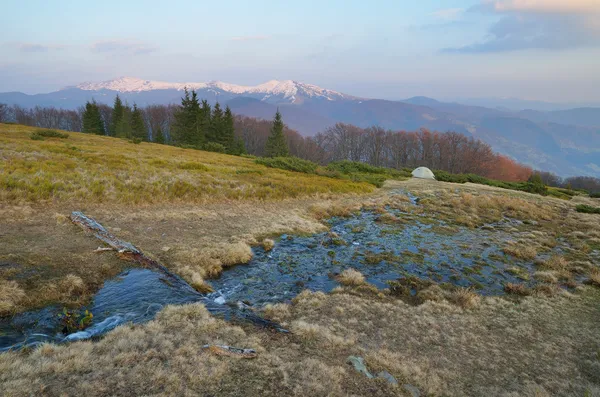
(566, 142)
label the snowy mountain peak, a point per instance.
(289, 90)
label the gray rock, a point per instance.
(414, 392)
(359, 364)
(387, 376)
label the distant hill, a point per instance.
(566, 142)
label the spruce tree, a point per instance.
(159, 137)
(138, 127)
(216, 125)
(187, 128)
(204, 119)
(239, 147)
(276, 145)
(228, 133)
(92, 120)
(123, 125)
(117, 116)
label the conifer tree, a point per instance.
(123, 125)
(238, 147)
(216, 124)
(204, 119)
(138, 127)
(276, 145)
(117, 116)
(92, 120)
(187, 128)
(159, 137)
(228, 131)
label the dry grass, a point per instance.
(95, 169)
(516, 289)
(546, 276)
(268, 244)
(595, 277)
(330, 209)
(277, 312)
(465, 298)
(10, 296)
(520, 251)
(555, 262)
(351, 277)
(477, 208)
(499, 349)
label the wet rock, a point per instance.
(359, 365)
(414, 392)
(387, 376)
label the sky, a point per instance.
(393, 49)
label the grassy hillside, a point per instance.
(90, 168)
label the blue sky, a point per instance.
(531, 49)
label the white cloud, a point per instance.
(549, 6)
(538, 24)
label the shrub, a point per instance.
(289, 164)
(136, 141)
(587, 209)
(41, 133)
(73, 321)
(214, 147)
(536, 185)
(355, 167)
(595, 195)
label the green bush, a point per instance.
(214, 147)
(352, 167)
(587, 209)
(563, 194)
(536, 185)
(41, 133)
(136, 141)
(595, 195)
(289, 164)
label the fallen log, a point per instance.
(131, 253)
(125, 249)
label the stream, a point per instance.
(381, 251)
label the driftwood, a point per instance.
(131, 253)
(126, 250)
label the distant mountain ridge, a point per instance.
(566, 142)
(281, 90)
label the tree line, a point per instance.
(195, 123)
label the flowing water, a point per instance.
(381, 251)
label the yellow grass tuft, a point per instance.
(516, 289)
(546, 276)
(465, 298)
(277, 312)
(351, 277)
(555, 262)
(236, 254)
(520, 251)
(595, 277)
(268, 244)
(10, 296)
(72, 285)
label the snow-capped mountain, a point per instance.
(541, 139)
(271, 91)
